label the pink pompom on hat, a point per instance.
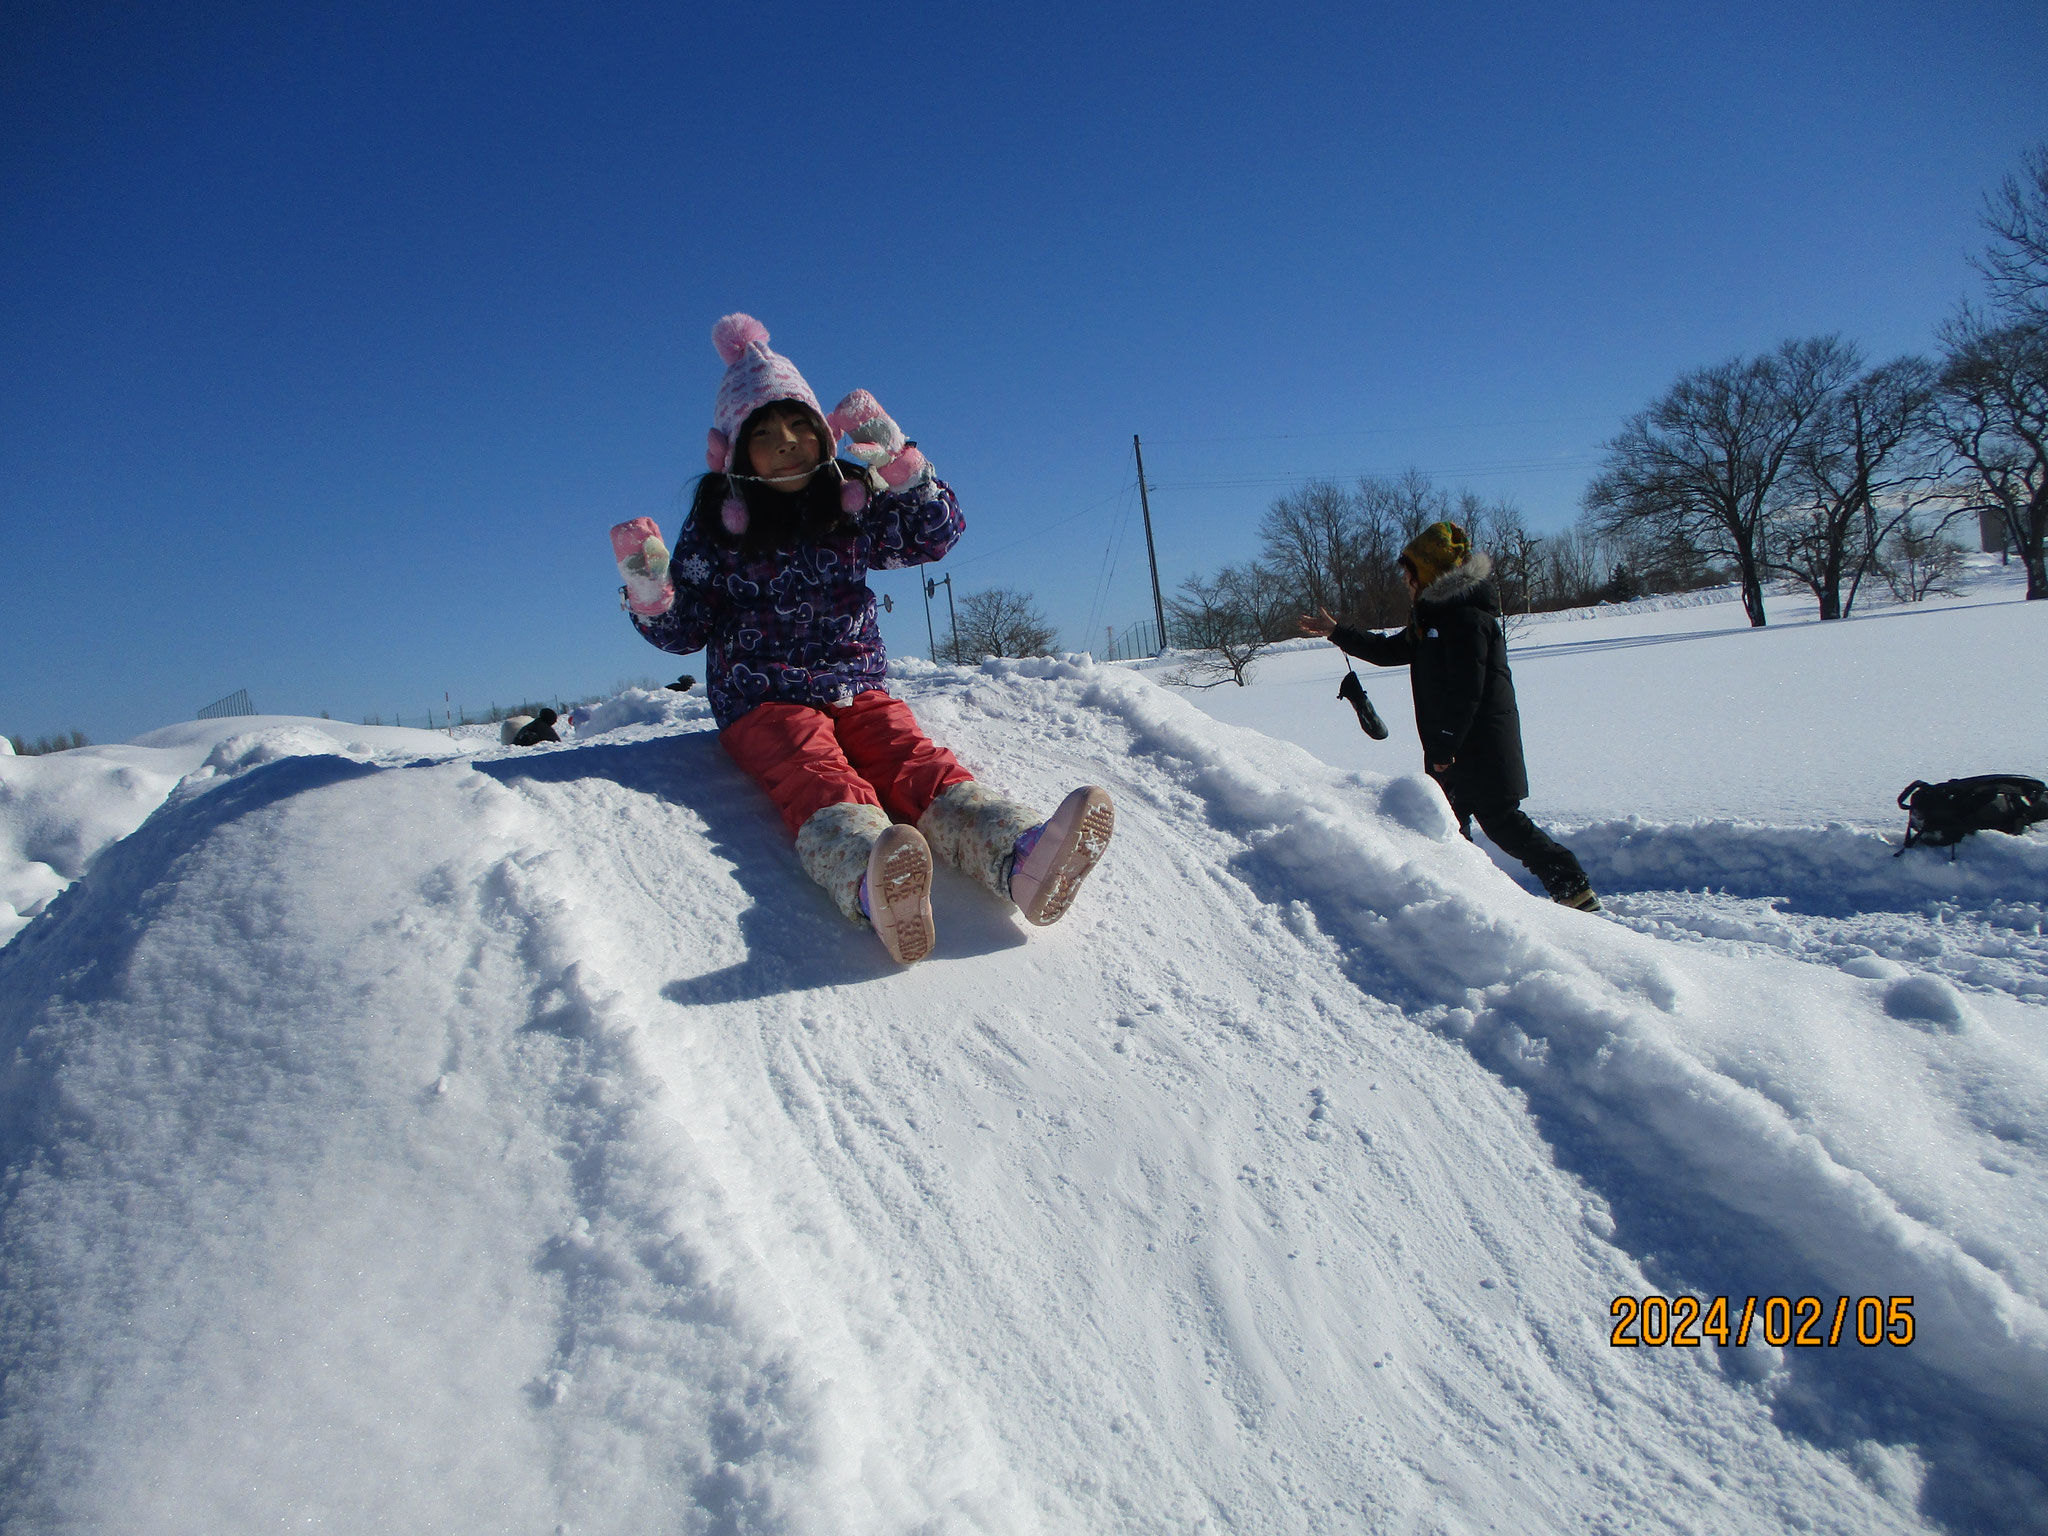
(754, 377)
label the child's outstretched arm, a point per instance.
(916, 520)
(668, 597)
(1382, 650)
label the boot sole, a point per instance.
(900, 894)
(1073, 844)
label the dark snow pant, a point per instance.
(1520, 838)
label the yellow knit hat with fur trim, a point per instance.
(1438, 548)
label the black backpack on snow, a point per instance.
(1940, 815)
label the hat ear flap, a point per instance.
(717, 452)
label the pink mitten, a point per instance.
(877, 441)
(906, 469)
(643, 563)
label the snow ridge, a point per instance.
(1595, 1042)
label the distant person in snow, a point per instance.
(1457, 662)
(769, 579)
(537, 730)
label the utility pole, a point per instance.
(930, 638)
(930, 587)
(1145, 501)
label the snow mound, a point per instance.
(643, 706)
(1415, 801)
(519, 1141)
(1926, 1000)
(238, 754)
(188, 737)
(57, 813)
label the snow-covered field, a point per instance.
(406, 1133)
(1740, 786)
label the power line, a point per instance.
(1295, 477)
(1112, 548)
(989, 554)
(1473, 426)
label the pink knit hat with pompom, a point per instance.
(754, 377)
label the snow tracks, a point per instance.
(1760, 1127)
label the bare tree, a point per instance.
(1497, 527)
(1992, 408)
(1918, 560)
(1000, 622)
(1574, 567)
(1865, 465)
(1227, 621)
(1705, 460)
(2015, 264)
(1390, 511)
(1309, 540)
(1412, 501)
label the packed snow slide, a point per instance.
(494, 1140)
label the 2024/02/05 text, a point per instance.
(1687, 1322)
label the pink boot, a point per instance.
(897, 894)
(1053, 860)
(875, 873)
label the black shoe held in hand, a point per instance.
(1369, 719)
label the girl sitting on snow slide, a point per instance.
(769, 579)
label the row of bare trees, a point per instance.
(1808, 464)
(1334, 546)
(63, 741)
(1805, 464)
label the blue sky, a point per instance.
(336, 336)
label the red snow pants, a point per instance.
(869, 752)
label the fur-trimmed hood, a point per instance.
(1461, 582)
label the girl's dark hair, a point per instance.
(774, 518)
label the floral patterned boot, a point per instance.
(876, 873)
(1036, 862)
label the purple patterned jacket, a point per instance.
(797, 625)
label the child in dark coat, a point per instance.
(769, 580)
(1457, 660)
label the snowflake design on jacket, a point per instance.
(803, 616)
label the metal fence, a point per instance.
(1140, 640)
(236, 703)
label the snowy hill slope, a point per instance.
(495, 1141)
